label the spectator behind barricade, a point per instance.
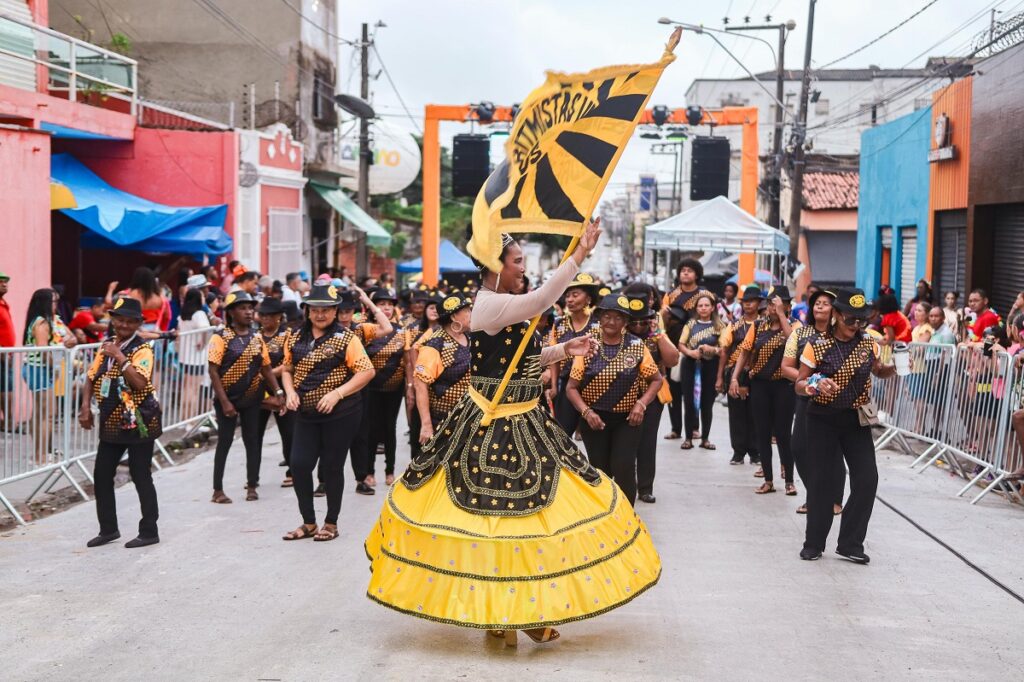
(941, 333)
(64, 307)
(952, 312)
(228, 280)
(894, 325)
(1016, 313)
(192, 351)
(7, 340)
(89, 322)
(184, 274)
(983, 316)
(146, 290)
(923, 295)
(43, 328)
(922, 330)
(800, 309)
(265, 287)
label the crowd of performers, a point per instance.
(601, 368)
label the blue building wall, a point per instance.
(894, 184)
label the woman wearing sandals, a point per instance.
(502, 524)
(384, 393)
(119, 379)
(835, 373)
(239, 366)
(612, 391)
(699, 345)
(325, 368)
(771, 395)
(270, 314)
(644, 324)
(442, 366)
(819, 306)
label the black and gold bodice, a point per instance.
(563, 331)
(275, 346)
(697, 333)
(127, 416)
(511, 466)
(615, 378)
(321, 365)
(733, 339)
(766, 347)
(386, 354)
(443, 364)
(848, 364)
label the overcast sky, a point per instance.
(458, 51)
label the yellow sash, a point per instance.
(492, 412)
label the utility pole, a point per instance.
(363, 196)
(799, 137)
(364, 124)
(775, 174)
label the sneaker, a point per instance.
(755, 460)
(364, 489)
(735, 461)
(320, 491)
(810, 554)
(855, 557)
(282, 463)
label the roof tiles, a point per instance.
(829, 190)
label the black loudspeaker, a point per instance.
(471, 164)
(709, 168)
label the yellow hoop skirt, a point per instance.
(585, 554)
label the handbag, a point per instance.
(867, 414)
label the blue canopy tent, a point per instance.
(119, 220)
(451, 259)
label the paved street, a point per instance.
(222, 597)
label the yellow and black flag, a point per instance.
(563, 147)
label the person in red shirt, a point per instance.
(7, 340)
(88, 320)
(984, 317)
(894, 324)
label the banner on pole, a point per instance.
(564, 144)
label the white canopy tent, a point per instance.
(715, 225)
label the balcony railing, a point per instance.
(37, 58)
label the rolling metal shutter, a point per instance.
(1007, 256)
(15, 72)
(908, 264)
(950, 252)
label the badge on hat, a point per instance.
(636, 305)
(118, 303)
(451, 303)
(623, 302)
(857, 301)
(332, 291)
(229, 300)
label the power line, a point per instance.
(872, 42)
(387, 74)
(314, 23)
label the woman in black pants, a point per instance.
(325, 368)
(119, 379)
(675, 322)
(644, 324)
(836, 374)
(699, 345)
(612, 391)
(239, 366)
(384, 393)
(771, 396)
(270, 314)
(819, 306)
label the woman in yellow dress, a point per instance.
(502, 524)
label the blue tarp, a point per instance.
(118, 219)
(450, 259)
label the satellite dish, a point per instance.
(356, 106)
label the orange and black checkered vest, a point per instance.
(448, 389)
(319, 367)
(386, 354)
